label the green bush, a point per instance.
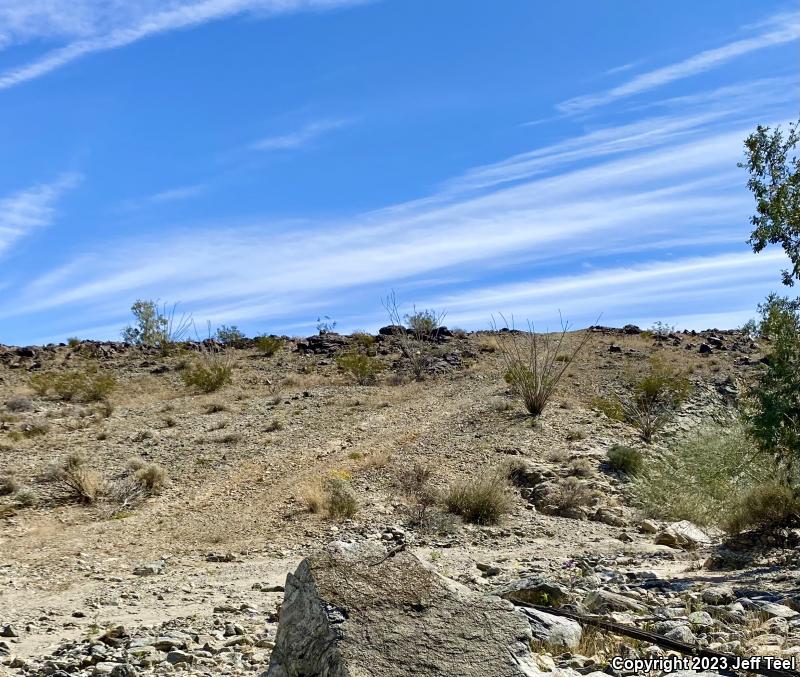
(610, 406)
(483, 500)
(424, 323)
(230, 336)
(764, 506)
(269, 345)
(702, 478)
(774, 402)
(363, 368)
(340, 502)
(626, 460)
(74, 386)
(208, 373)
(363, 339)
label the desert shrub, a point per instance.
(414, 341)
(274, 426)
(363, 368)
(8, 485)
(19, 403)
(610, 407)
(87, 385)
(702, 477)
(363, 340)
(73, 341)
(332, 496)
(531, 366)
(424, 324)
(268, 345)
(662, 382)
(650, 400)
(152, 477)
(483, 500)
(662, 329)
(774, 401)
(216, 407)
(771, 505)
(416, 487)
(575, 435)
(341, 503)
(156, 327)
(40, 383)
(25, 497)
(625, 460)
(74, 476)
(208, 373)
(325, 325)
(581, 467)
(568, 496)
(230, 336)
(35, 428)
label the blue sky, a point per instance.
(265, 162)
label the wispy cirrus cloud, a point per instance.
(31, 208)
(778, 30)
(266, 269)
(93, 26)
(300, 137)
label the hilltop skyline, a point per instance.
(267, 162)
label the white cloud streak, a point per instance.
(782, 29)
(301, 137)
(31, 208)
(103, 25)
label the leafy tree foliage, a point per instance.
(774, 168)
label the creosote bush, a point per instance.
(268, 345)
(208, 373)
(363, 368)
(88, 385)
(704, 478)
(483, 500)
(625, 460)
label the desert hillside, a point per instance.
(148, 526)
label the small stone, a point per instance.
(681, 634)
(175, 657)
(8, 631)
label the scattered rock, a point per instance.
(683, 535)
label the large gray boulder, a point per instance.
(554, 631)
(353, 612)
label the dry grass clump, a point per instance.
(333, 497)
(482, 501)
(216, 407)
(80, 481)
(421, 496)
(34, 428)
(569, 496)
(363, 340)
(19, 403)
(771, 505)
(8, 485)
(208, 373)
(152, 477)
